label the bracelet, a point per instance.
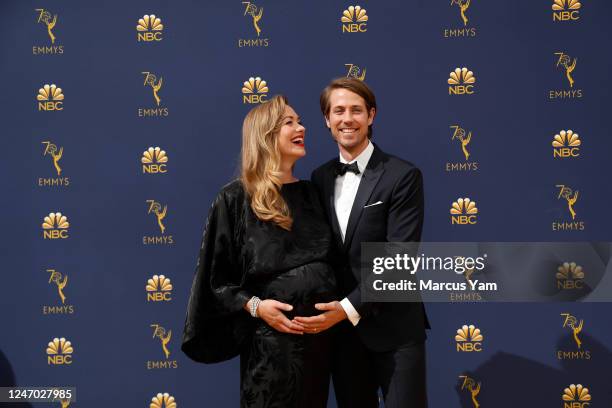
(255, 301)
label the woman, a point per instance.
(265, 257)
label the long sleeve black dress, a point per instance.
(242, 256)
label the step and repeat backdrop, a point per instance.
(121, 121)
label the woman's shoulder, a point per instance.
(231, 194)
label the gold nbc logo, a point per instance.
(59, 352)
(254, 90)
(60, 281)
(463, 6)
(151, 79)
(50, 98)
(465, 139)
(461, 81)
(571, 322)
(566, 10)
(469, 338)
(570, 196)
(255, 13)
(353, 71)
(576, 396)
(156, 209)
(472, 387)
(566, 144)
(565, 62)
(354, 20)
(159, 289)
(55, 226)
(56, 155)
(44, 17)
(570, 276)
(160, 333)
(154, 160)
(164, 400)
(463, 211)
(149, 28)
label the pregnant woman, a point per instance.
(265, 258)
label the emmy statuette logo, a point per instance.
(574, 327)
(470, 385)
(463, 138)
(353, 71)
(50, 98)
(469, 339)
(463, 212)
(566, 65)
(461, 82)
(155, 84)
(463, 28)
(354, 20)
(149, 29)
(571, 197)
(59, 352)
(59, 281)
(254, 90)
(48, 20)
(51, 151)
(164, 336)
(254, 14)
(159, 212)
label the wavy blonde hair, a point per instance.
(261, 159)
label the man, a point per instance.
(369, 196)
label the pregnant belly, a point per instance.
(302, 287)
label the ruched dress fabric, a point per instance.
(242, 256)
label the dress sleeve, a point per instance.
(216, 324)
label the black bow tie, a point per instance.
(342, 168)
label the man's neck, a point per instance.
(350, 155)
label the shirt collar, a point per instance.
(363, 158)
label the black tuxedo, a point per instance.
(384, 328)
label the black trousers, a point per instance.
(358, 373)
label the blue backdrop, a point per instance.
(200, 54)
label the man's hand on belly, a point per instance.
(333, 313)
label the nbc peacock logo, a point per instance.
(50, 98)
(570, 276)
(149, 28)
(469, 339)
(463, 212)
(159, 289)
(354, 20)
(154, 161)
(461, 82)
(254, 90)
(59, 352)
(164, 400)
(353, 71)
(566, 10)
(566, 144)
(55, 226)
(576, 396)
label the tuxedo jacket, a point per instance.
(398, 185)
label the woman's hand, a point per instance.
(271, 311)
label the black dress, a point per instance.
(242, 256)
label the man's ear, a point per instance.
(371, 115)
(327, 122)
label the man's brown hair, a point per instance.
(353, 85)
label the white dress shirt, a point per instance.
(345, 190)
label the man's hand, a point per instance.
(333, 313)
(271, 311)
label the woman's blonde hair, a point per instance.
(261, 159)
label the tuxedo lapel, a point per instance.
(370, 178)
(330, 208)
